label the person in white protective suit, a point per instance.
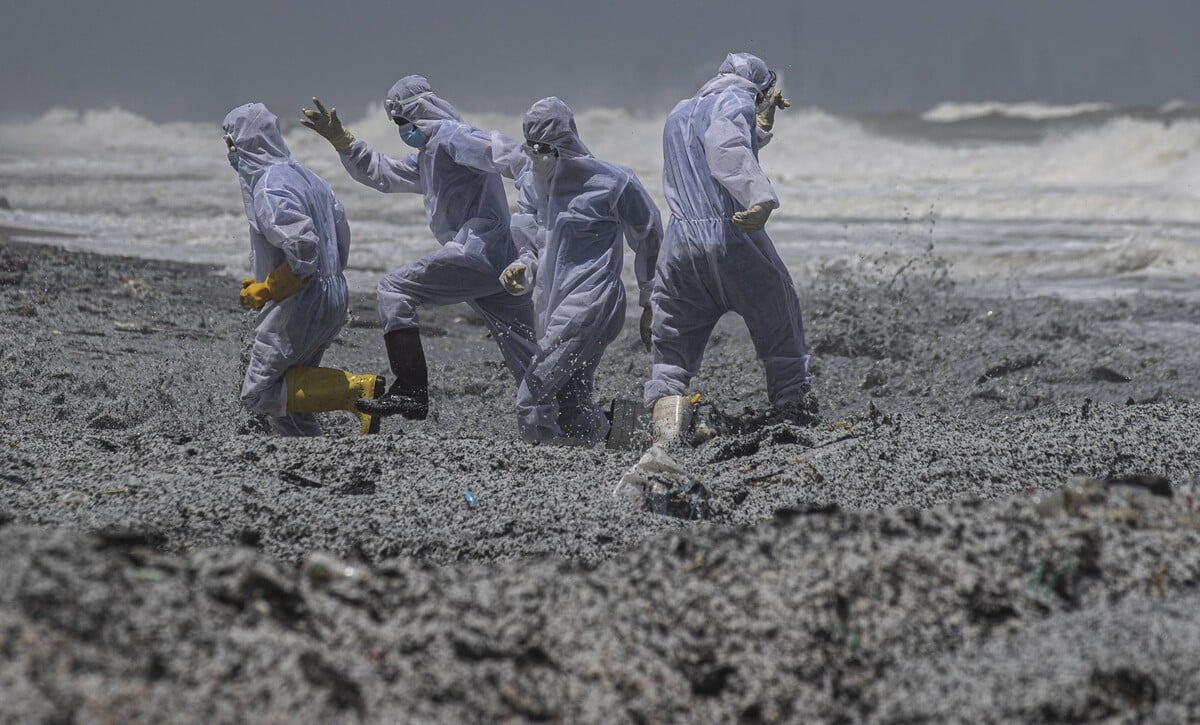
(573, 211)
(299, 244)
(716, 256)
(468, 214)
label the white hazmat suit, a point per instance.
(468, 214)
(570, 227)
(294, 219)
(707, 267)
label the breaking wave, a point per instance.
(1126, 184)
(954, 112)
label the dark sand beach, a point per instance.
(166, 559)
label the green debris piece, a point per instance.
(148, 575)
(1036, 584)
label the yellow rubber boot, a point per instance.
(319, 390)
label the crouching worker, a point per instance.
(573, 212)
(299, 243)
(468, 216)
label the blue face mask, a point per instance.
(233, 160)
(412, 136)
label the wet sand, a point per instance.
(888, 565)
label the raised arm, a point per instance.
(730, 150)
(487, 151)
(381, 172)
(372, 168)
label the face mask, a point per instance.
(411, 135)
(543, 156)
(233, 160)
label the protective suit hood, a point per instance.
(551, 121)
(739, 70)
(255, 132)
(419, 104)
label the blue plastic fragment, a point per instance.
(469, 497)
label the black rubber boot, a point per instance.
(408, 395)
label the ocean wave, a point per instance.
(124, 182)
(1030, 111)
(1179, 105)
(109, 129)
(809, 144)
(1125, 151)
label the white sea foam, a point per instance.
(954, 112)
(1049, 208)
(1178, 105)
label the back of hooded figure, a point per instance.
(287, 204)
(708, 266)
(298, 228)
(570, 225)
(698, 135)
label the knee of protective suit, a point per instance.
(530, 434)
(537, 423)
(396, 310)
(532, 431)
(661, 384)
(296, 425)
(264, 401)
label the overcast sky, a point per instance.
(195, 59)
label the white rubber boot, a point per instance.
(671, 419)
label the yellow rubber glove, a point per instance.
(246, 282)
(754, 218)
(646, 323)
(278, 286)
(328, 125)
(514, 278)
(766, 119)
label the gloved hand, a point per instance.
(247, 282)
(328, 125)
(766, 117)
(754, 218)
(278, 286)
(514, 278)
(644, 327)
